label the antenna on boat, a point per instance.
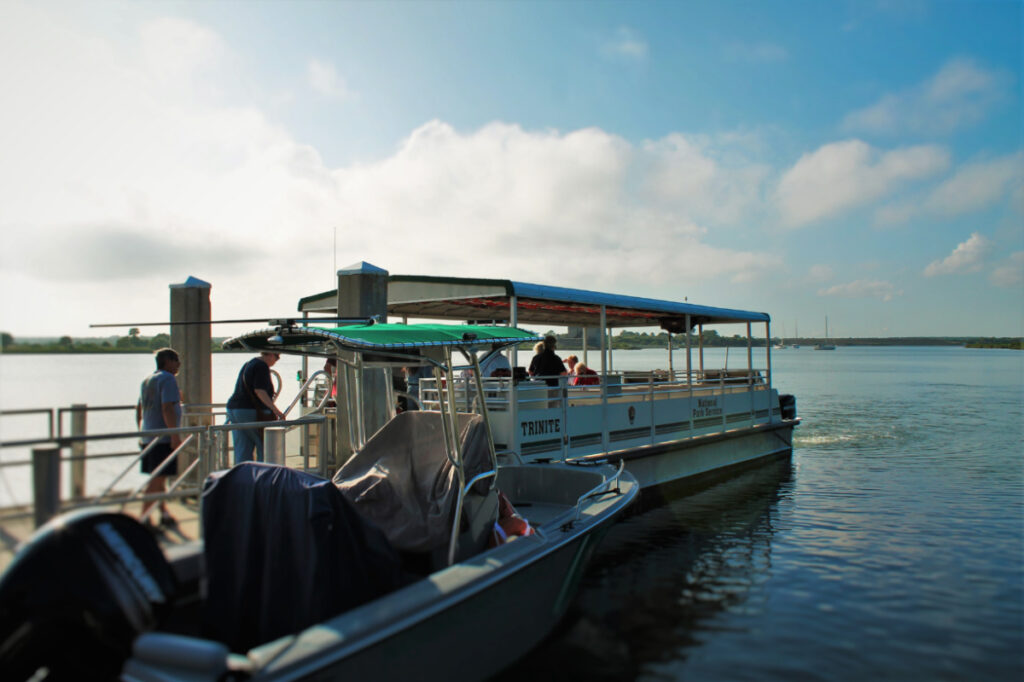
(273, 322)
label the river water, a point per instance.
(890, 547)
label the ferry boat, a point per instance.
(397, 568)
(669, 424)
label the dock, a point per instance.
(16, 531)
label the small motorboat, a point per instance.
(421, 558)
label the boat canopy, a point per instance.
(375, 337)
(462, 298)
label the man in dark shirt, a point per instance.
(253, 400)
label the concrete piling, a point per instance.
(46, 482)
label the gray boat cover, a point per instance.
(285, 550)
(403, 481)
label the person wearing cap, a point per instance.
(252, 401)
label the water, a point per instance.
(890, 548)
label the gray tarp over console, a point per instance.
(403, 481)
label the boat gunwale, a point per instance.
(370, 632)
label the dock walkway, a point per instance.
(16, 531)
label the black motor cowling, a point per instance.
(787, 405)
(78, 593)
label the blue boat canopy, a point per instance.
(469, 299)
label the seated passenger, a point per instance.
(584, 376)
(570, 362)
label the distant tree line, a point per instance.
(1014, 344)
(134, 342)
(637, 340)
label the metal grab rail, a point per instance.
(604, 487)
(305, 386)
(145, 451)
(453, 543)
(39, 410)
(203, 436)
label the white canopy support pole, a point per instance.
(611, 353)
(604, 381)
(750, 356)
(604, 341)
(768, 359)
(513, 390)
(305, 363)
(750, 370)
(700, 350)
(671, 366)
(585, 360)
(513, 320)
(689, 365)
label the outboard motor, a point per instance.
(77, 595)
(787, 406)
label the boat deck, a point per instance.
(538, 513)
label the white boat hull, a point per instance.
(681, 461)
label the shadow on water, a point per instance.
(662, 576)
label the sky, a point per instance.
(857, 160)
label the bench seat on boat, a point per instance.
(631, 393)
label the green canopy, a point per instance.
(375, 337)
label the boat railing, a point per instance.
(610, 485)
(650, 385)
(52, 466)
(741, 398)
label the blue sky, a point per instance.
(860, 160)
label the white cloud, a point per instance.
(627, 43)
(973, 187)
(689, 174)
(324, 79)
(843, 175)
(562, 201)
(862, 288)
(961, 93)
(977, 185)
(110, 164)
(1011, 273)
(968, 256)
(178, 51)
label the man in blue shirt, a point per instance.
(159, 407)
